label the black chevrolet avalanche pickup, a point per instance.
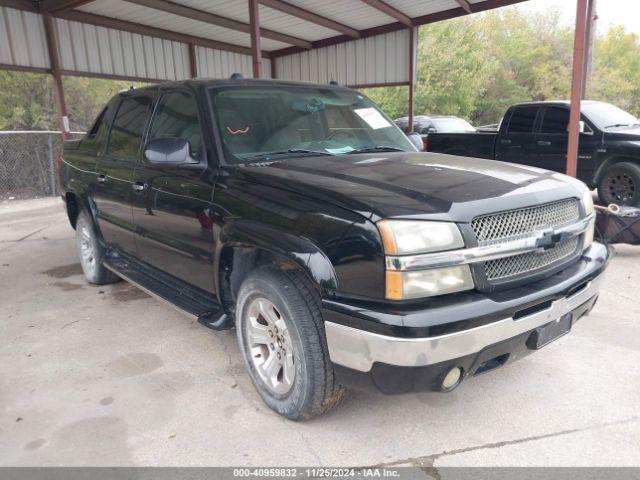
(301, 215)
(536, 134)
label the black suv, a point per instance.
(301, 215)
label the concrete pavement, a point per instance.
(93, 376)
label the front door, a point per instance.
(517, 143)
(171, 208)
(114, 186)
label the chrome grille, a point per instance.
(529, 262)
(524, 221)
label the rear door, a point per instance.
(553, 138)
(517, 142)
(551, 141)
(172, 204)
(114, 186)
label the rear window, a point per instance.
(128, 127)
(523, 120)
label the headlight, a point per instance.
(405, 237)
(427, 283)
(587, 202)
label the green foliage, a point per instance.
(475, 67)
(28, 103)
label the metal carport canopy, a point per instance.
(360, 43)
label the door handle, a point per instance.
(102, 178)
(505, 141)
(139, 186)
(544, 143)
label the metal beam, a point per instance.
(54, 59)
(213, 19)
(52, 6)
(391, 11)
(577, 86)
(193, 63)
(309, 16)
(108, 22)
(254, 21)
(27, 5)
(465, 5)
(412, 73)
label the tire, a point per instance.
(620, 184)
(91, 252)
(290, 365)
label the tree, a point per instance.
(27, 102)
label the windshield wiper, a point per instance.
(285, 152)
(616, 125)
(377, 148)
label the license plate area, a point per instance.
(546, 334)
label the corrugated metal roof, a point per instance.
(160, 51)
(373, 60)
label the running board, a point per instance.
(187, 299)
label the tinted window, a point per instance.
(523, 119)
(555, 120)
(128, 126)
(97, 125)
(177, 117)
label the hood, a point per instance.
(422, 185)
(631, 134)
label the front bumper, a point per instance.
(497, 333)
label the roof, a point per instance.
(159, 40)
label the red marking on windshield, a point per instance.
(239, 131)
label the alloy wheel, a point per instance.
(269, 346)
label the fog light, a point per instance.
(452, 379)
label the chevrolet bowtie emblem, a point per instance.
(548, 239)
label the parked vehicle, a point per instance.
(424, 124)
(536, 134)
(301, 215)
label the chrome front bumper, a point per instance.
(359, 349)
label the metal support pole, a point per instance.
(577, 86)
(52, 170)
(193, 64)
(412, 74)
(254, 25)
(52, 48)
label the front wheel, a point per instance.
(91, 252)
(620, 184)
(281, 337)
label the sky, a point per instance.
(610, 12)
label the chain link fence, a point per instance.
(27, 163)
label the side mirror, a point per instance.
(416, 140)
(584, 129)
(167, 151)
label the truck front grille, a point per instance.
(523, 222)
(529, 262)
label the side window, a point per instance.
(97, 125)
(555, 120)
(523, 120)
(128, 127)
(177, 117)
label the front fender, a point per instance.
(300, 250)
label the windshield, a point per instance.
(605, 115)
(452, 125)
(261, 123)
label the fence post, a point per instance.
(52, 174)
